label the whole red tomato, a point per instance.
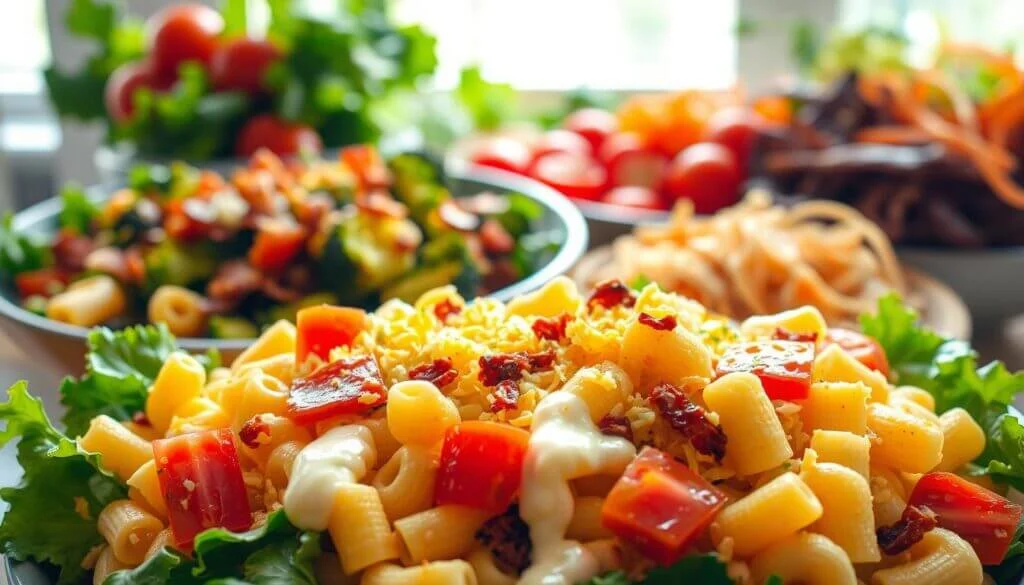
(121, 86)
(705, 173)
(558, 140)
(501, 152)
(635, 196)
(736, 129)
(240, 64)
(281, 137)
(594, 124)
(574, 174)
(186, 32)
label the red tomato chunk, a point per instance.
(201, 481)
(984, 519)
(325, 327)
(660, 506)
(349, 386)
(863, 348)
(784, 367)
(481, 465)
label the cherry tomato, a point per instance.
(634, 196)
(705, 173)
(277, 243)
(201, 481)
(370, 169)
(736, 129)
(322, 328)
(660, 506)
(481, 465)
(349, 386)
(240, 64)
(630, 162)
(502, 152)
(784, 367)
(575, 175)
(279, 136)
(44, 282)
(984, 519)
(120, 90)
(593, 124)
(863, 348)
(185, 32)
(560, 141)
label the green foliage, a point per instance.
(489, 104)
(20, 252)
(77, 210)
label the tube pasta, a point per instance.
(179, 380)
(441, 533)
(903, 441)
(406, 482)
(836, 406)
(847, 449)
(834, 364)
(603, 387)
(279, 338)
(940, 558)
(88, 302)
(811, 559)
(144, 489)
(418, 414)
(847, 518)
(106, 563)
(963, 439)
(359, 528)
(121, 452)
(128, 529)
(679, 355)
(757, 441)
(435, 573)
(178, 308)
(770, 513)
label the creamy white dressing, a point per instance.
(565, 444)
(340, 456)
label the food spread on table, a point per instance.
(223, 256)
(569, 437)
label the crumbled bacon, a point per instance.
(610, 293)
(503, 366)
(541, 361)
(250, 432)
(666, 323)
(350, 386)
(508, 538)
(234, 281)
(381, 204)
(70, 251)
(506, 396)
(616, 426)
(279, 292)
(141, 419)
(445, 309)
(787, 335)
(552, 329)
(907, 532)
(456, 217)
(495, 238)
(690, 420)
(440, 372)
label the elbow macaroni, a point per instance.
(178, 308)
(88, 302)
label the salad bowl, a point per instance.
(59, 346)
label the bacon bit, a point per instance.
(279, 292)
(495, 238)
(457, 218)
(381, 204)
(348, 386)
(690, 420)
(666, 323)
(786, 335)
(440, 372)
(234, 281)
(907, 532)
(502, 273)
(541, 361)
(616, 426)
(506, 396)
(445, 309)
(311, 208)
(508, 539)
(70, 251)
(141, 419)
(609, 293)
(498, 368)
(251, 431)
(551, 329)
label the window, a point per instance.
(566, 44)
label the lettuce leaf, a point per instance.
(77, 210)
(120, 367)
(20, 252)
(705, 569)
(52, 514)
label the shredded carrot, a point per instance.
(892, 135)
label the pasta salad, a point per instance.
(224, 256)
(625, 436)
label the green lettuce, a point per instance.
(52, 513)
(20, 252)
(77, 210)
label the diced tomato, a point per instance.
(984, 519)
(189, 219)
(44, 282)
(481, 465)
(325, 327)
(277, 243)
(349, 386)
(502, 152)
(784, 367)
(368, 166)
(660, 506)
(201, 481)
(593, 124)
(863, 348)
(575, 175)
